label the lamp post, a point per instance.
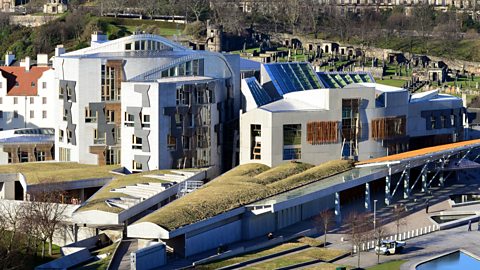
(375, 229)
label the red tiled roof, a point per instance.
(19, 80)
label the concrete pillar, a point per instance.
(424, 181)
(338, 214)
(388, 182)
(406, 185)
(82, 195)
(368, 199)
(75, 232)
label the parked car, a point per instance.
(388, 247)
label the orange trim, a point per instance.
(420, 152)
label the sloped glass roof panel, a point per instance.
(292, 77)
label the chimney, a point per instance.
(9, 58)
(26, 63)
(98, 38)
(42, 59)
(59, 50)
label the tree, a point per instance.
(398, 213)
(323, 222)
(47, 211)
(359, 226)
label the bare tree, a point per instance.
(323, 222)
(359, 227)
(47, 213)
(399, 216)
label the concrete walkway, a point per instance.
(121, 258)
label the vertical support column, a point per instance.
(388, 182)
(82, 195)
(368, 199)
(424, 181)
(406, 185)
(75, 232)
(338, 214)
(441, 177)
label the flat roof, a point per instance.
(422, 153)
(57, 172)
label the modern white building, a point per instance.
(145, 102)
(291, 115)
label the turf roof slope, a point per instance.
(240, 186)
(97, 201)
(43, 172)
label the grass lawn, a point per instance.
(240, 186)
(257, 254)
(103, 263)
(300, 257)
(391, 82)
(393, 265)
(116, 25)
(328, 266)
(57, 171)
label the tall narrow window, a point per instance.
(292, 141)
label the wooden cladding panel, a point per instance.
(322, 132)
(389, 127)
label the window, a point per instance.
(256, 141)
(186, 142)
(129, 119)
(15, 100)
(292, 153)
(15, 114)
(60, 135)
(178, 120)
(89, 116)
(137, 166)
(44, 114)
(1, 85)
(40, 155)
(1, 100)
(171, 143)
(292, 134)
(292, 140)
(98, 138)
(65, 114)
(443, 121)
(433, 122)
(44, 100)
(32, 84)
(136, 142)
(110, 116)
(44, 85)
(111, 79)
(32, 100)
(32, 114)
(146, 121)
(1, 114)
(128, 47)
(452, 120)
(69, 136)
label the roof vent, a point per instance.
(98, 37)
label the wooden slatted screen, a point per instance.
(389, 127)
(322, 132)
